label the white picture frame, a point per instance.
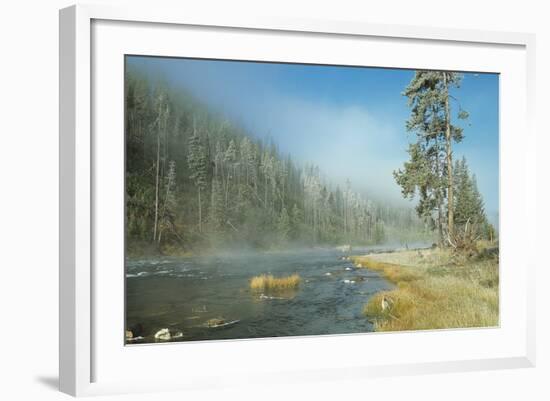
(80, 313)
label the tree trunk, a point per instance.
(200, 211)
(440, 220)
(450, 222)
(227, 181)
(157, 186)
(438, 196)
(265, 192)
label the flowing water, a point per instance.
(182, 294)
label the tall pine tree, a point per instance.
(198, 166)
(429, 172)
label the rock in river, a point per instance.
(163, 335)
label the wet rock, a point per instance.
(177, 334)
(163, 335)
(220, 323)
(214, 322)
(263, 296)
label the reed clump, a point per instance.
(267, 282)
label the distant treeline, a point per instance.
(194, 180)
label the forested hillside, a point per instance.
(195, 181)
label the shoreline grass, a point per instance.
(266, 282)
(435, 289)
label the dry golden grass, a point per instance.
(267, 282)
(414, 258)
(391, 271)
(433, 291)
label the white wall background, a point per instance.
(29, 200)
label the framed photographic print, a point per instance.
(278, 200)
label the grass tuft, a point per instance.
(267, 282)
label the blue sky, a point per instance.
(348, 120)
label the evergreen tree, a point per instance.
(216, 215)
(379, 232)
(469, 206)
(465, 205)
(247, 158)
(266, 166)
(430, 169)
(283, 226)
(420, 177)
(489, 232)
(169, 207)
(161, 121)
(198, 165)
(479, 206)
(297, 221)
(230, 157)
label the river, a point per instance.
(182, 294)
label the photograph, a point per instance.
(270, 199)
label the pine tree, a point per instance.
(469, 206)
(162, 116)
(479, 206)
(266, 166)
(452, 133)
(490, 232)
(230, 157)
(379, 232)
(283, 226)
(420, 177)
(169, 207)
(297, 221)
(198, 165)
(464, 207)
(217, 213)
(430, 169)
(246, 157)
(282, 173)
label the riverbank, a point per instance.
(435, 289)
